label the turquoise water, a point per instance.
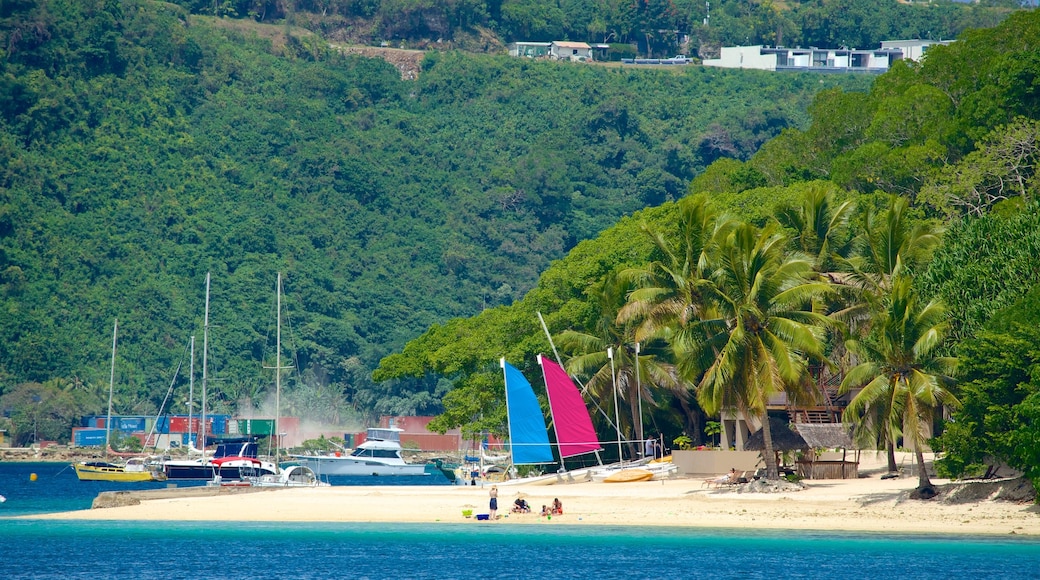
(43, 549)
(56, 488)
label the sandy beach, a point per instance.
(865, 504)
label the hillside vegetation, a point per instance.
(909, 217)
(142, 148)
(656, 27)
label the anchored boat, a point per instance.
(380, 454)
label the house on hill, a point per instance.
(565, 50)
(529, 49)
(781, 58)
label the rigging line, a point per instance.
(292, 342)
(166, 399)
(585, 389)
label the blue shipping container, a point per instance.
(219, 426)
(88, 437)
(129, 424)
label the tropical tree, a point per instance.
(635, 379)
(819, 223)
(891, 243)
(761, 331)
(903, 379)
(670, 291)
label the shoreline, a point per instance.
(862, 505)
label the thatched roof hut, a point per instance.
(825, 435)
(784, 438)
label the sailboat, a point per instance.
(237, 456)
(134, 469)
(528, 434)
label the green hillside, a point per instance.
(141, 147)
(936, 257)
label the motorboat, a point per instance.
(233, 459)
(380, 454)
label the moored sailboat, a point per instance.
(134, 469)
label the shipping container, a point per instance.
(255, 426)
(129, 424)
(88, 437)
(218, 424)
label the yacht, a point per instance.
(380, 454)
(233, 455)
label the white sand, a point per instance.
(865, 504)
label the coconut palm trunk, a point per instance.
(772, 470)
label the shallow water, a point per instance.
(44, 549)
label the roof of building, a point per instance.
(568, 44)
(825, 435)
(784, 438)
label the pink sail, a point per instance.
(574, 431)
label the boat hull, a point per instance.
(628, 476)
(351, 466)
(113, 473)
(206, 471)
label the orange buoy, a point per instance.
(32, 477)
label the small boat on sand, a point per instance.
(628, 476)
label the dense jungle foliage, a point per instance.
(939, 163)
(660, 27)
(142, 148)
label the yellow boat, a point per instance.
(102, 471)
(628, 475)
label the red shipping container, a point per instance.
(180, 425)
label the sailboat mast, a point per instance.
(552, 414)
(509, 424)
(639, 397)
(111, 386)
(278, 367)
(191, 387)
(617, 417)
(205, 348)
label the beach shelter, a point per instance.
(818, 465)
(784, 439)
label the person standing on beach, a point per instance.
(493, 506)
(648, 449)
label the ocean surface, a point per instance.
(42, 549)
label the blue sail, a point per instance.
(528, 437)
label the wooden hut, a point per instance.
(827, 465)
(784, 439)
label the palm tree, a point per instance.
(590, 356)
(889, 248)
(669, 291)
(819, 223)
(890, 245)
(756, 343)
(904, 381)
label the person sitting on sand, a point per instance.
(557, 507)
(520, 506)
(546, 511)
